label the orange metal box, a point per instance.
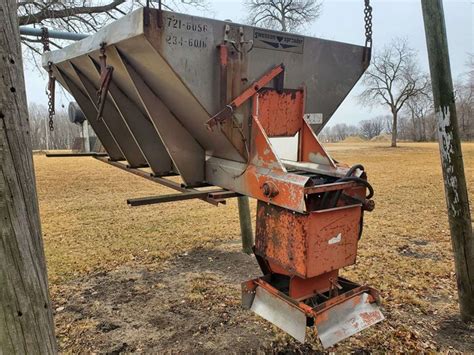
(308, 245)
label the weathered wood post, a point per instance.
(451, 156)
(26, 321)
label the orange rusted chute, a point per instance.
(202, 98)
(301, 254)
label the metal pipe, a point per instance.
(32, 31)
(245, 224)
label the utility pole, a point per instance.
(26, 320)
(451, 156)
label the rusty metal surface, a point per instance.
(329, 187)
(301, 289)
(280, 114)
(71, 155)
(308, 245)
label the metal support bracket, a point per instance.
(227, 112)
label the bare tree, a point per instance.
(418, 108)
(465, 102)
(283, 15)
(338, 132)
(392, 79)
(371, 128)
(65, 132)
(84, 16)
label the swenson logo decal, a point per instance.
(278, 41)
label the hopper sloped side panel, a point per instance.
(177, 97)
(89, 110)
(187, 154)
(338, 68)
(327, 69)
(86, 72)
(136, 120)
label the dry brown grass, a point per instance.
(405, 251)
(88, 226)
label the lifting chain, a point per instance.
(368, 23)
(45, 39)
(51, 96)
(50, 92)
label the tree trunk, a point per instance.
(414, 136)
(423, 125)
(26, 321)
(394, 128)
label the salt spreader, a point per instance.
(176, 94)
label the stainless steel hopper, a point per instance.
(166, 84)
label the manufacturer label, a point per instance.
(314, 118)
(278, 41)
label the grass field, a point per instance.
(167, 277)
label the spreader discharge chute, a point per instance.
(181, 95)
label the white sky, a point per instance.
(342, 20)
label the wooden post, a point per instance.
(26, 321)
(451, 155)
(245, 224)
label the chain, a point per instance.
(51, 96)
(368, 23)
(50, 91)
(45, 39)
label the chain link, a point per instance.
(45, 39)
(51, 96)
(368, 23)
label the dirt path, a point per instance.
(191, 305)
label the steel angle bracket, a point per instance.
(335, 320)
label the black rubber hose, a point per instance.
(362, 182)
(353, 169)
(348, 177)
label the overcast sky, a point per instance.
(342, 20)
